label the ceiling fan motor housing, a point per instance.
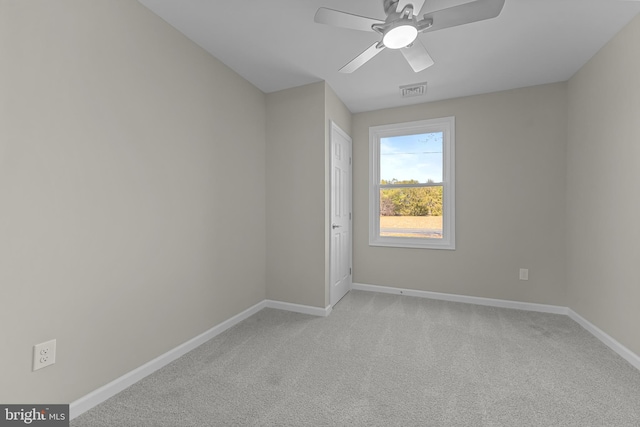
(399, 29)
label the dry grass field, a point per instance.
(411, 226)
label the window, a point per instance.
(412, 192)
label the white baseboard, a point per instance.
(543, 308)
(305, 309)
(606, 339)
(116, 386)
(614, 345)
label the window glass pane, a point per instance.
(411, 159)
(411, 212)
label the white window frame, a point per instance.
(446, 125)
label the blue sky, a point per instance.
(407, 157)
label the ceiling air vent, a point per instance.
(417, 89)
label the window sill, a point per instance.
(399, 242)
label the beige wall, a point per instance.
(298, 186)
(603, 189)
(132, 195)
(510, 159)
(296, 189)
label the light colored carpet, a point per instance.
(387, 360)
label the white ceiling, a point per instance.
(275, 45)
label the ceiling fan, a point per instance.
(403, 24)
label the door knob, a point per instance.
(334, 226)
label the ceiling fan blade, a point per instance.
(361, 59)
(417, 6)
(417, 56)
(466, 13)
(344, 19)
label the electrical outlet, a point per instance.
(44, 354)
(524, 274)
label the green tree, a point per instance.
(410, 201)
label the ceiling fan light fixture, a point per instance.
(399, 36)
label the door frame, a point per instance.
(334, 128)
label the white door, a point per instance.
(340, 213)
